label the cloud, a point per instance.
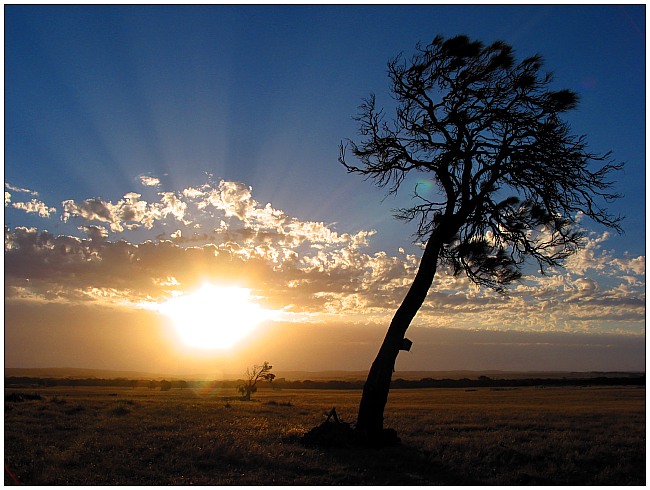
(588, 257)
(33, 206)
(172, 204)
(130, 212)
(233, 198)
(149, 181)
(633, 265)
(95, 233)
(219, 232)
(20, 189)
(91, 210)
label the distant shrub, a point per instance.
(281, 404)
(22, 397)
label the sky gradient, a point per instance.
(152, 149)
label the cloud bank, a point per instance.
(146, 246)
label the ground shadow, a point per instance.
(384, 461)
(398, 464)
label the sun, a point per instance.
(214, 317)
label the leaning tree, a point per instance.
(510, 177)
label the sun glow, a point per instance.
(214, 317)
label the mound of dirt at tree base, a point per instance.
(336, 433)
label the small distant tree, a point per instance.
(165, 385)
(253, 375)
(510, 176)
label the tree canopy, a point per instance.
(511, 177)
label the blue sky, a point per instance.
(114, 113)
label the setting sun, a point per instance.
(214, 317)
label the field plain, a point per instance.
(485, 436)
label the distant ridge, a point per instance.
(455, 374)
(311, 375)
(81, 373)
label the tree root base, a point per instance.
(335, 433)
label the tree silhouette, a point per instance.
(511, 179)
(253, 375)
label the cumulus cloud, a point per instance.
(633, 265)
(590, 256)
(130, 212)
(172, 204)
(233, 198)
(34, 206)
(91, 210)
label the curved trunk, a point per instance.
(370, 420)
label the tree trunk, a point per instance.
(370, 421)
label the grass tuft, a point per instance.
(120, 409)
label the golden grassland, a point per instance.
(131, 436)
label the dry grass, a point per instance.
(97, 436)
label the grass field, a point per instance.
(131, 436)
